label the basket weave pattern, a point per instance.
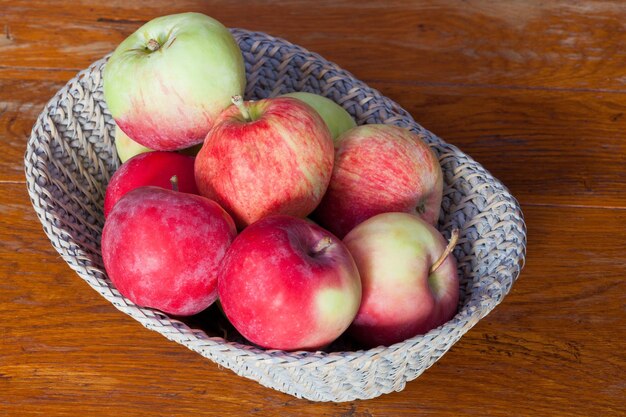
(71, 156)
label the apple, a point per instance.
(288, 284)
(272, 156)
(410, 282)
(378, 169)
(152, 168)
(163, 249)
(126, 147)
(166, 83)
(336, 117)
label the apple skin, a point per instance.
(152, 168)
(163, 249)
(394, 253)
(280, 162)
(169, 98)
(126, 147)
(378, 169)
(336, 117)
(288, 284)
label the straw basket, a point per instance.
(71, 156)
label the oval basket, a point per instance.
(71, 156)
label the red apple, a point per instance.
(410, 281)
(162, 249)
(379, 169)
(151, 168)
(288, 284)
(272, 156)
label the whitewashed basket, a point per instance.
(71, 156)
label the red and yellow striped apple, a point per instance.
(288, 284)
(272, 156)
(378, 169)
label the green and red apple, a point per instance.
(272, 156)
(409, 278)
(166, 84)
(378, 169)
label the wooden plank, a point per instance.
(60, 75)
(544, 340)
(20, 103)
(551, 45)
(65, 351)
(533, 90)
(548, 147)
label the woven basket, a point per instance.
(71, 156)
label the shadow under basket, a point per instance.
(71, 156)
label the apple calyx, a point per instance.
(454, 237)
(153, 45)
(323, 244)
(174, 182)
(238, 101)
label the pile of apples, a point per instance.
(303, 225)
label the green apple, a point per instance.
(336, 117)
(166, 83)
(126, 147)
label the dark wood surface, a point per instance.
(533, 90)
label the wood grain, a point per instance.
(548, 147)
(532, 140)
(21, 102)
(64, 345)
(533, 90)
(554, 45)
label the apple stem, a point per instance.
(322, 245)
(238, 101)
(451, 244)
(174, 182)
(153, 45)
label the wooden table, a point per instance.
(533, 90)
